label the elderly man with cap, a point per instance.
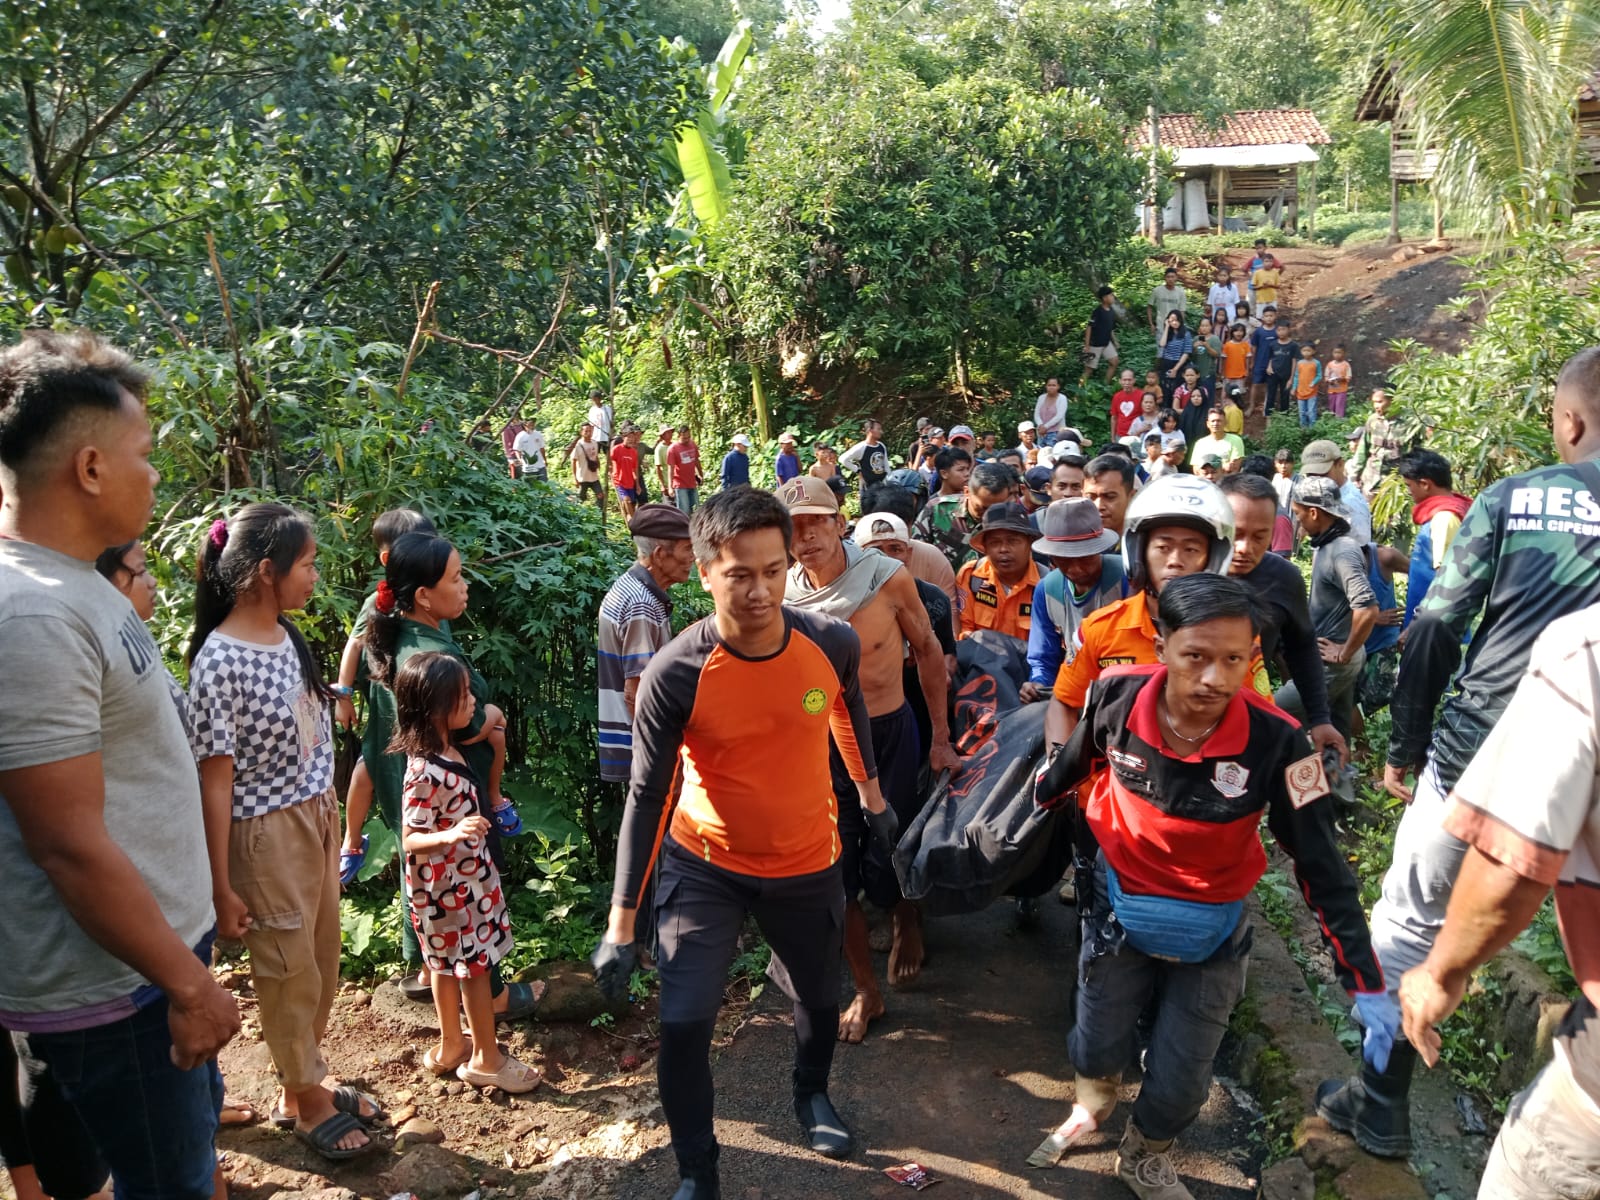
(947, 520)
(787, 464)
(736, 463)
(1084, 576)
(996, 591)
(636, 622)
(1324, 457)
(879, 598)
(962, 438)
(1344, 607)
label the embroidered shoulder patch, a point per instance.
(1306, 780)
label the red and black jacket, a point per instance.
(1187, 827)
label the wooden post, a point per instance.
(1219, 184)
(1394, 204)
(1438, 212)
(1311, 204)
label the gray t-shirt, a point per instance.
(83, 675)
(1339, 584)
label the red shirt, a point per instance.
(625, 467)
(1124, 408)
(683, 461)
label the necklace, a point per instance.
(1183, 737)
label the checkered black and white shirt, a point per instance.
(250, 703)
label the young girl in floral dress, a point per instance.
(457, 904)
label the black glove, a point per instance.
(613, 968)
(885, 827)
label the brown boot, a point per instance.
(1143, 1165)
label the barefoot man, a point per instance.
(879, 599)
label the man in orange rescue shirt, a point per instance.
(742, 841)
(1178, 525)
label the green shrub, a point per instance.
(1284, 432)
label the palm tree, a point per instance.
(1493, 84)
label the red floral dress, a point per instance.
(456, 903)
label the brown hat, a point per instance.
(664, 521)
(1009, 517)
(808, 494)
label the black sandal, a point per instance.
(347, 1099)
(520, 1002)
(325, 1138)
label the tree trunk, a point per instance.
(1394, 207)
(1153, 113)
(963, 368)
(758, 396)
(1438, 214)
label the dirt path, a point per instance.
(966, 1075)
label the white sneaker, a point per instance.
(1144, 1167)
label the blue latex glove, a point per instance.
(1381, 1016)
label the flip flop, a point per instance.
(325, 1138)
(412, 988)
(282, 1119)
(520, 1002)
(507, 820)
(350, 862)
(514, 1077)
(437, 1066)
(347, 1099)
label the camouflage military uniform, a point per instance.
(1378, 452)
(945, 523)
(1528, 552)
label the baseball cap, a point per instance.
(1318, 491)
(963, 431)
(1037, 481)
(787, 437)
(1173, 440)
(739, 439)
(880, 527)
(908, 478)
(808, 494)
(666, 429)
(1212, 460)
(1319, 457)
(1072, 529)
(1025, 426)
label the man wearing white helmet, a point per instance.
(1178, 525)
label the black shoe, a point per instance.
(700, 1178)
(413, 989)
(1375, 1108)
(824, 1129)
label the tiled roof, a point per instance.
(1253, 127)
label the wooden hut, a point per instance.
(1249, 157)
(1411, 162)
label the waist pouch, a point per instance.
(1186, 931)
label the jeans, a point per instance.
(1194, 1002)
(686, 498)
(1343, 681)
(153, 1124)
(1417, 886)
(1308, 413)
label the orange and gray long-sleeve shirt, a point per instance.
(746, 740)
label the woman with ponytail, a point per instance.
(422, 591)
(264, 737)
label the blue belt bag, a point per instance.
(1186, 931)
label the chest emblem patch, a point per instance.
(1230, 779)
(814, 701)
(1130, 762)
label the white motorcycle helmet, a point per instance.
(1185, 500)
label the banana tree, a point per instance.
(706, 149)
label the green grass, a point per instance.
(1336, 227)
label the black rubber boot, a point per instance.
(824, 1128)
(700, 1178)
(1375, 1109)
